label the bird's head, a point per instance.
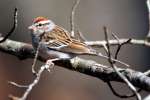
(41, 25)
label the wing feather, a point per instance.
(60, 40)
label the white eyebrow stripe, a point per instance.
(43, 22)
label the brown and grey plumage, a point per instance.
(57, 42)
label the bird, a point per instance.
(56, 42)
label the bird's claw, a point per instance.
(49, 65)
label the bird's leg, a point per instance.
(49, 64)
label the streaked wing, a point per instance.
(55, 44)
(60, 40)
(60, 33)
(77, 47)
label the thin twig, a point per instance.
(72, 25)
(35, 58)
(108, 82)
(119, 44)
(105, 48)
(49, 64)
(81, 37)
(148, 6)
(116, 56)
(17, 85)
(30, 86)
(116, 70)
(14, 26)
(119, 95)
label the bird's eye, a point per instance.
(40, 24)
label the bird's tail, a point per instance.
(106, 57)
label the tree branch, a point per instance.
(88, 67)
(115, 42)
(115, 68)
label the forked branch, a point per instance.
(13, 28)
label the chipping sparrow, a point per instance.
(56, 42)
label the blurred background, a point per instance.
(126, 18)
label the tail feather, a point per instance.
(106, 57)
(123, 63)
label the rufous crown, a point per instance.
(38, 19)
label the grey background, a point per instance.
(126, 18)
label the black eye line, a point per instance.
(42, 24)
(46, 24)
(39, 25)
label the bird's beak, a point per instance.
(31, 27)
